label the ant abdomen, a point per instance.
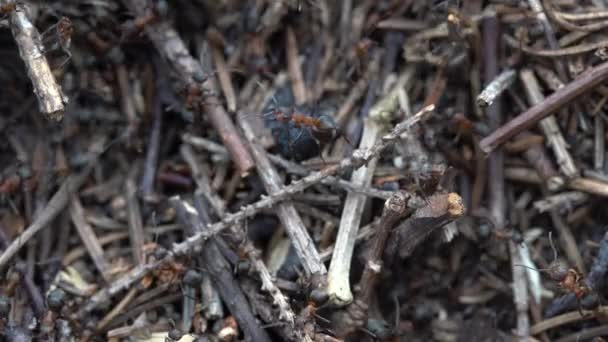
(326, 130)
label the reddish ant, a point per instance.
(322, 128)
(194, 94)
(293, 130)
(10, 184)
(131, 27)
(62, 31)
(568, 279)
(7, 8)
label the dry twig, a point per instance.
(51, 100)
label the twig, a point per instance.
(295, 72)
(559, 20)
(88, 237)
(599, 147)
(117, 310)
(357, 159)
(582, 84)
(291, 167)
(568, 241)
(496, 181)
(538, 9)
(402, 24)
(338, 278)
(584, 16)
(570, 317)
(561, 200)
(520, 292)
(136, 228)
(439, 211)
(497, 203)
(219, 270)
(209, 295)
(345, 23)
(224, 78)
(239, 237)
(79, 252)
(569, 51)
(588, 185)
(172, 48)
(127, 103)
(300, 170)
(146, 185)
(537, 156)
(203, 143)
(51, 100)
(202, 180)
(496, 87)
(27, 281)
(395, 208)
(587, 334)
(57, 203)
(286, 314)
(271, 19)
(549, 126)
(357, 91)
(300, 239)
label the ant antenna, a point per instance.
(532, 268)
(274, 101)
(553, 247)
(554, 257)
(345, 137)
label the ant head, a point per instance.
(327, 129)
(557, 270)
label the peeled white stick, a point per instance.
(338, 284)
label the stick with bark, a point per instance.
(174, 50)
(51, 100)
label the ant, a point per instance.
(131, 27)
(62, 31)
(7, 8)
(568, 279)
(294, 128)
(322, 128)
(10, 184)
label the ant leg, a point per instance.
(67, 59)
(347, 140)
(289, 141)
(422, 194)
(298, 137)
(580, 307)
(45, 32)
(318, 146)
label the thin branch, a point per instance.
(571, 91)
(51, 100)
(55, 206)
(549, 126)
(301, 240)
(174, 50)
